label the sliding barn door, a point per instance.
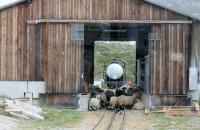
(169, 61)
(61, 58)
(56, 59)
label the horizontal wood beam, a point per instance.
(110, 21)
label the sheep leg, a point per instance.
(109, 106)
(93, 108)
(90, 108)
(117, 108)
(122, 107)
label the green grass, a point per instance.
(116, 50)
(2, 112)
(53, 118)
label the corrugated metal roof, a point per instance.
(8, 3)
(189, 8)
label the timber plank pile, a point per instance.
(21, 110)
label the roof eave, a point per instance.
(8, 3)
(171, 9)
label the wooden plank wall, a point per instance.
(58, 100)
(99, 9)
(61, 58)
(31, 53)
(169, 59)
(60, 61)
(195, 47)
(15, 53)
(13, 47)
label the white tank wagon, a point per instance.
(114, 73)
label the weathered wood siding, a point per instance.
(56, 59)
(13, 45)
(99, 9)
(61, 58)
(195, 47)
(59, 100)
(169, 59)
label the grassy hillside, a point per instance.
(105, 51)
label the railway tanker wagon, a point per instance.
(114, 73)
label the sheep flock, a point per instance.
(125, 97)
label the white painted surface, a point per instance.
(30, 97)
(36, 88)
(83, 102)
(193, 78)
(7, 3)
(194, 95)
(17, 89)
(13, 89)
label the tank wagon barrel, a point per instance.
(114, 73)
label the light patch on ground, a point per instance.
(7, 123)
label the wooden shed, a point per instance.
(37, 44)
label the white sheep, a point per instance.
(94, 103)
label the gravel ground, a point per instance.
(7, 123)
(135, 120)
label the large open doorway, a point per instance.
(106, 52)
(102, 42)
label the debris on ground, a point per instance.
(21, 110)
(178, 111)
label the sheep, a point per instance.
(138, 105)
(94, 103)
(103, 100)
(130, 91)
(114, 102)
(137, 88)
(98, 97)
(92, 95)
(120, 92)
(127, 100)
(95, 91)
(109, 94)
(125, 86)
(99, 90)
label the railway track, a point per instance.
(111, 121)
(122, 127)
(101, 118)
